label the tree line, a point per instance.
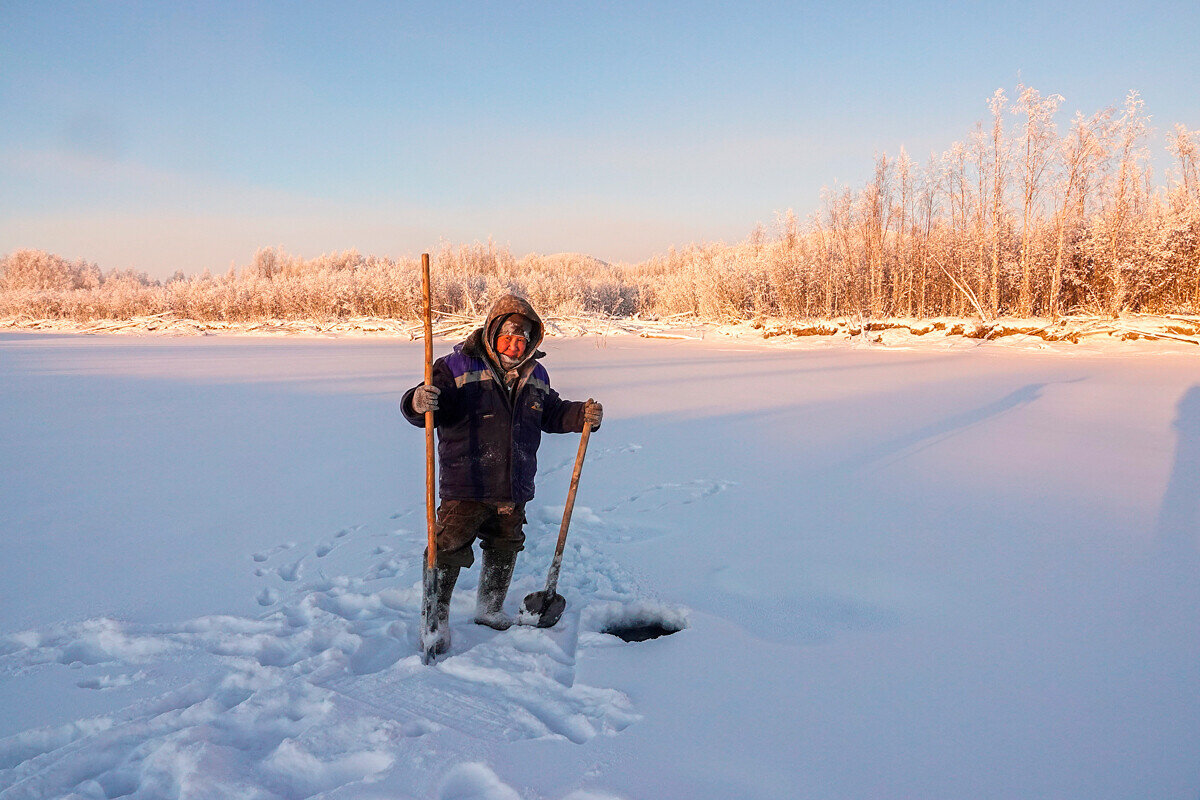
(1019, 218)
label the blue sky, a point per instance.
(164, 135)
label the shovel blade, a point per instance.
(542, 609)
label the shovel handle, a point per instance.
(430, 499)
(552, 578)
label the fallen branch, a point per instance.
(966, 290)
(1158, 335)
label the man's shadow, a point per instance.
(1178, 529)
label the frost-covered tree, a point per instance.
(1000, 155)
(1038, 136)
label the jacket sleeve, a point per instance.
(562, 416)
(449, 410)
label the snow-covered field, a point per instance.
(966, 572)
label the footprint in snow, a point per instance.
(494, 686)
(291, 572)
(264, 555)
(388, 568)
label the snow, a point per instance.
(967, 571)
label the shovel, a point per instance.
(545, 608)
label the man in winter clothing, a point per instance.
(491, 401)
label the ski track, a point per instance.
(326, 689)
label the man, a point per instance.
(491, 401)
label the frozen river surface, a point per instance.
(926, 573)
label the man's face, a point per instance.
(511, 346)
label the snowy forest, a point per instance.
(1026, 216)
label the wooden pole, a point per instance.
(430, 467)
(430, 634)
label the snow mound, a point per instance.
(474, 781)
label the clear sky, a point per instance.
(170, 135)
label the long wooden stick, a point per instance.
(430, 474)
(552, 577)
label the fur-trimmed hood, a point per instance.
(481, 342)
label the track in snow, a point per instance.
(325, 688)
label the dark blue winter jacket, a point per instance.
(488, 435)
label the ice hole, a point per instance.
(636, 621)
(642, 630)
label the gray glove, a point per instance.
(425, 398)
(593, 414)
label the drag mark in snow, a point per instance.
(662, 495)
(103, 682)
(339, 538)
(594, 454)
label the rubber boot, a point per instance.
(446, 578)
(493, 587)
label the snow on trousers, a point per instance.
(498, 526)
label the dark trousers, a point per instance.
(498, 526)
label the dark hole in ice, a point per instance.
(641, 631)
